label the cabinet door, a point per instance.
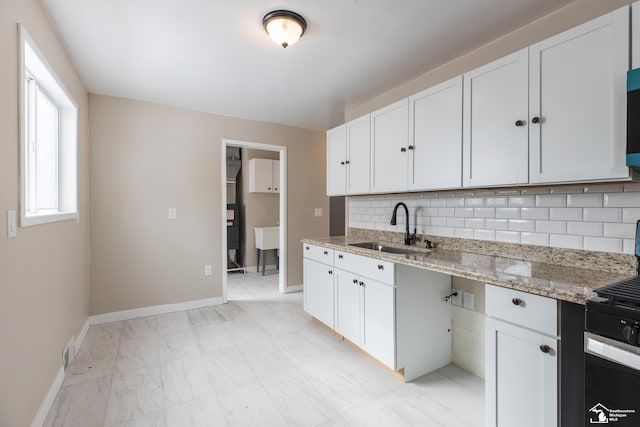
(358, 144)
(495, 141)
(635, 35)
(520, 379)
(336, 161)
(260, 176)
(578, 97)
(275, 176)
(389, 142)
(318, 291)
(348, 305)
(435, 135)
(378, 321)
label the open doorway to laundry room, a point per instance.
(254, 217)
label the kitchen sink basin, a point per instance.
(383, 248)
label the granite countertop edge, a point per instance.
(574, 285)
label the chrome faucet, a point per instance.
(409, 239)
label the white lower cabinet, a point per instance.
(521, 363)
(393, 312)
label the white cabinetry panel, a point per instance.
(389, 142)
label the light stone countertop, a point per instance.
(556, 281)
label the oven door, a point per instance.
(612, 382)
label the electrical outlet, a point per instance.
(173, 213)
(469, 300)
(11, 224)
(318, 212)
(457, 299)
(207, 270)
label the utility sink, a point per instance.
(374, 246)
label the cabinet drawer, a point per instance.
(521, 308)
(382, 271)
(318, 253)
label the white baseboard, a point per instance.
(43, 411)
(82, 335)
(153, 310)
(294, 288)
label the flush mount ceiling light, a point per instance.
(284, 27)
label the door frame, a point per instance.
(282, 150)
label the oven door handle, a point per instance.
(612, 350)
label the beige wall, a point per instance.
(576, 13)
(256, 209)
(44, 271)
(147, 158)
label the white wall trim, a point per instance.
(81, 335)
(43, 411)
(153, 310)
(294, 288)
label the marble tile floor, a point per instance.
(257, 361)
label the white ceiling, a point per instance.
(214, 56)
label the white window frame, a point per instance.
(33, 64)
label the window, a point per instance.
(48, 151)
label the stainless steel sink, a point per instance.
(382, 248)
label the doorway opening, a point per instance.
(280, 172)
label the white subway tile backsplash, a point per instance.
(603, 188)
(509, 192)
(446, 212)
(455, 202)
(557, 227)
(591, 200)
(511, 213)
(439, 221)
(474, 202)
(534, 213)
(565, 189)
(602, 215)
(522, 225)
(622, 200)
(508, 236)
(565, 241)
(484, 212)
(628, 246)
(565, 214)
(551, 201)
(464, 233)
(630, 215)
(430, 229)
(521, 201)
(474, 222)
(495, 201)
(584, 228)
(484, 234)
(438, 203)
(623, 231)
(496, 224)
(535, 190)
(447, 231)
(455, 222)
(602, 244)
(464, 212)
(540, 239)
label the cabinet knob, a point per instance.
(355, 281)
(325, 252)
(330, 271)
(361, 283)
(380, 267)
(347, 162)
(307, 247)
(519, 123)
(340, 256)
(411, 147)
(342, 163)
(516, 301)
(269, 188)
(545, 348)
(535, 120)
(403, 149)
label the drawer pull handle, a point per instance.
(307, 247)
(545, 348)
(326, 253)
(516, 301)
(355, 281)
(340, 256)
(380, 267)
(361, 283)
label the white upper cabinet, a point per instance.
(435, 137)
(336, 161)
(495, 141)
(577, 104)
(264, 176)
(348, 158)
(389, 146)
(635, 35)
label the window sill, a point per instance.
(47, 217)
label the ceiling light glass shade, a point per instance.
(284, 27)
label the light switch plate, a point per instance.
(173, 214)
(11, 224)
(469, 300)
(207, 270)
(318, 212)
